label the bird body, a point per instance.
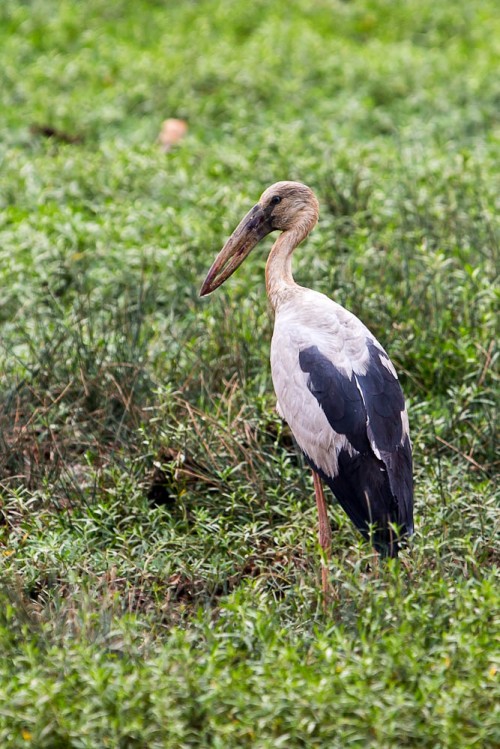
(299, 340)
(335, 385)
(339, 393)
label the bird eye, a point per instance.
(275, 200)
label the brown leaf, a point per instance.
(172, 131)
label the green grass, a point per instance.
(157, 529)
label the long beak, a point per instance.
(254, 227)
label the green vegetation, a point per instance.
(157, 529)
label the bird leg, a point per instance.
(324, 536)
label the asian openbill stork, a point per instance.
(336, 386)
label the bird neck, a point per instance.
(279, 279)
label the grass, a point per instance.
(157, 529)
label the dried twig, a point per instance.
(462, 454)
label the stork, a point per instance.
(335, 385)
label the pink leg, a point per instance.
(324, 535)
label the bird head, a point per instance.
(284, 206)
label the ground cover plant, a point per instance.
(157, 528)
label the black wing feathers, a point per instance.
(384, 400)
(337, 395)
(375, 492)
